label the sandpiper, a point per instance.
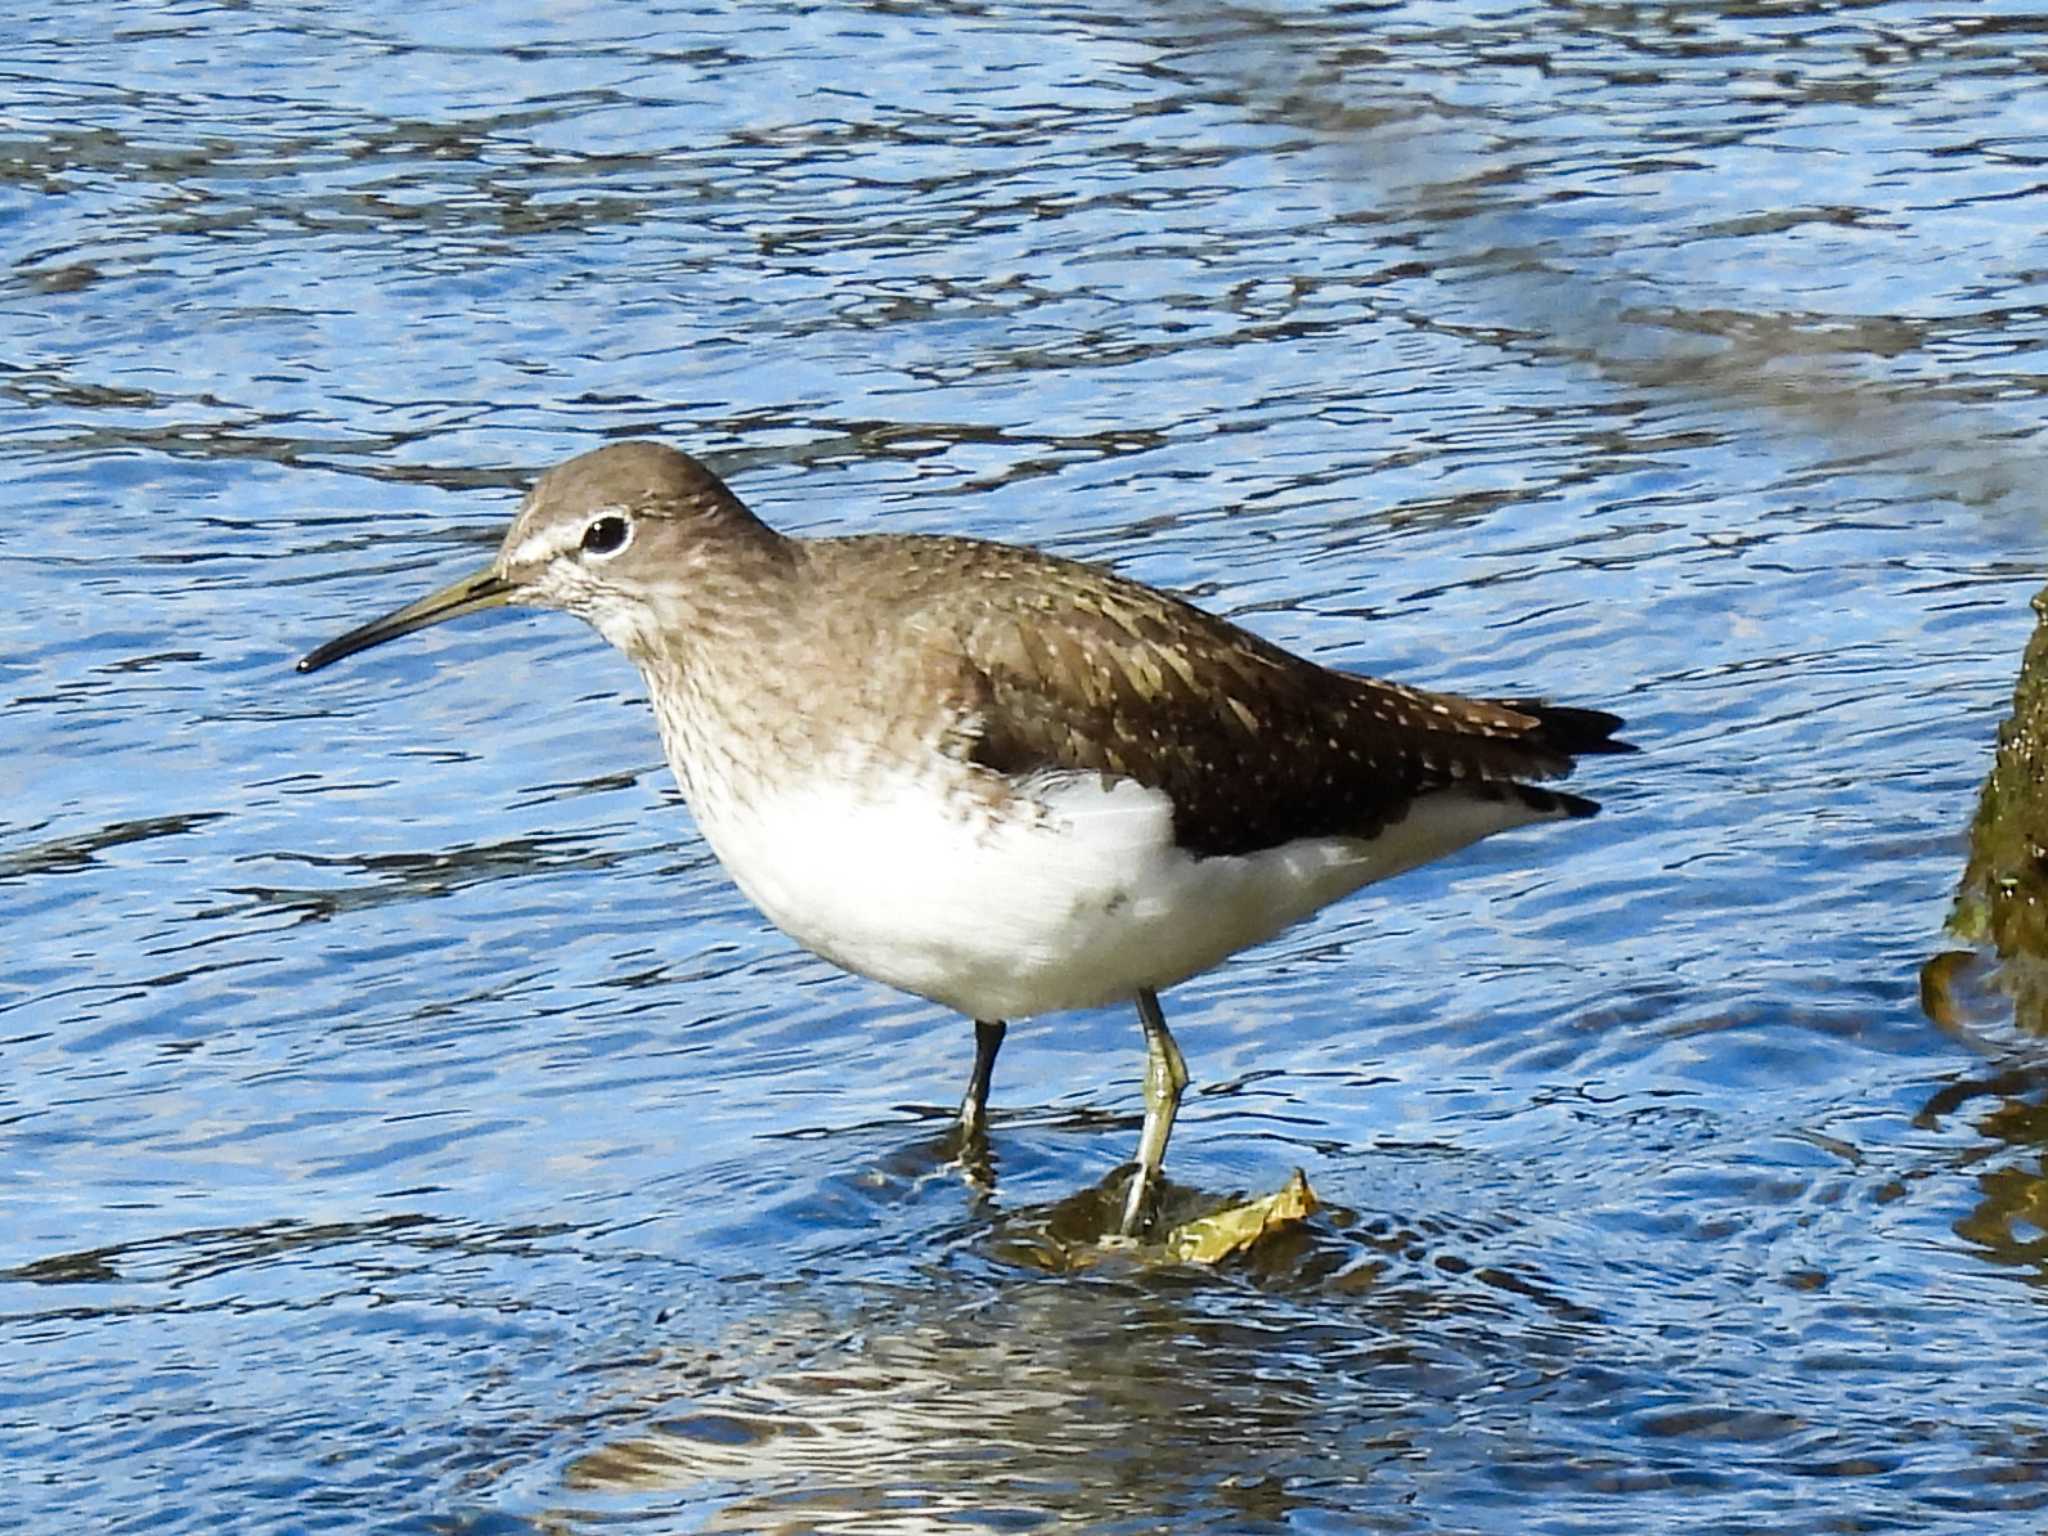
(1007, 782)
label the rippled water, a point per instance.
(407, 1128)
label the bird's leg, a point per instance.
(988, 1039)
(1166, 1074)
(968, 1139)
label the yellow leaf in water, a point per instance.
(1213, 1238)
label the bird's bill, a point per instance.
(472, 594)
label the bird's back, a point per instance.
(1051, 664)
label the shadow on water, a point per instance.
(180, 1259)
(79, 850)
(1130, 1390)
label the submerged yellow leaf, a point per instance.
(1213, 1238)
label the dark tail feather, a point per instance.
(1547, 802)
(1572, 732)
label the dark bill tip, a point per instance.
(472, 594)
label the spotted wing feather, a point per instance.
(1071, 671)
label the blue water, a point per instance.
(407, 1128)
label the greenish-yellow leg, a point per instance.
(1166, 1075)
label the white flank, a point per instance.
(1003, 919)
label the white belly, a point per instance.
(1002, 919)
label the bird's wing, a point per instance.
(1254, 746)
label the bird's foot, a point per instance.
(966, 1148)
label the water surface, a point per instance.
(408, 1128)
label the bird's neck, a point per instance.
(723, 669)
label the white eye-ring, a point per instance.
(606, 535)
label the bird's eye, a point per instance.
(605, 535)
